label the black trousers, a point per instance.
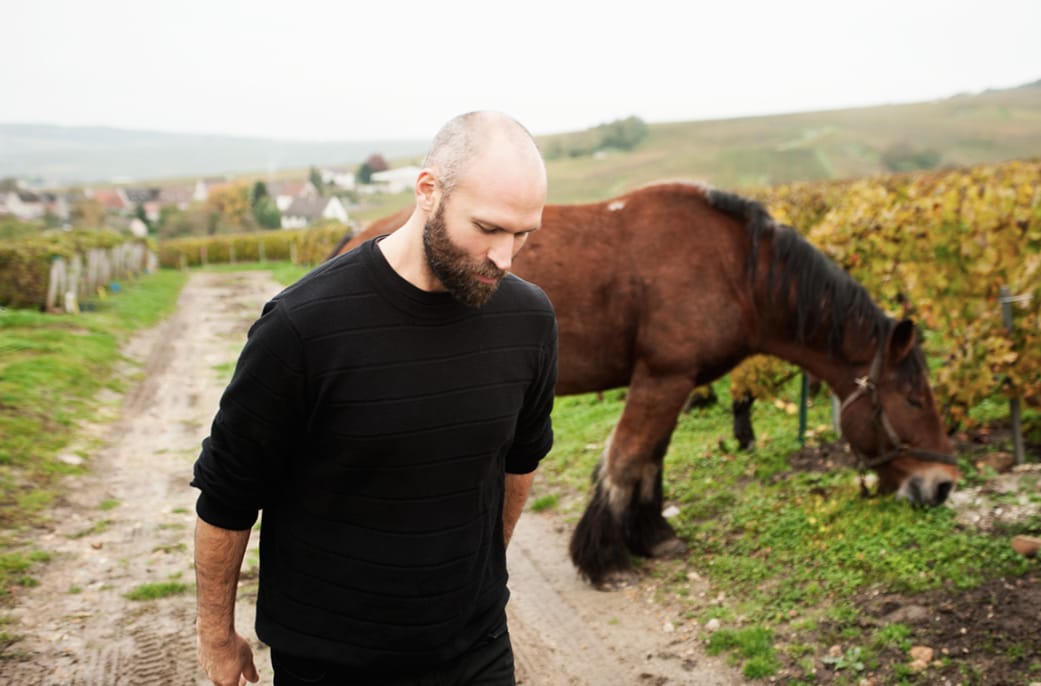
(489, 663)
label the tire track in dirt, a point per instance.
(79, 629)
(566, 633)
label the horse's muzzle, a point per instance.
(926, 490)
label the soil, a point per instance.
(128, 521)
(989, 635)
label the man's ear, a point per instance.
(428, 190)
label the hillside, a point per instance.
(963, 129)
(93, 154)
(960, 130)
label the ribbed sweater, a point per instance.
(372, 422)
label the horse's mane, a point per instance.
(823, 291)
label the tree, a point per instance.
(88, 213)
(316, 181)
(259, 191)
(229, 208)
(139, 212)
(372, 164)
(623, 134)
(377, 163)
(266, 213)
(174, 223)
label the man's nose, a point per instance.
(501, 252)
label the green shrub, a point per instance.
(25, 262)
(304, 246)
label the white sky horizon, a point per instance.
(327, 70)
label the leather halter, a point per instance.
(867, 387)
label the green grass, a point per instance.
(753, 646)
(284, 272)
(159, 590)
(15, 567)
(98, 527)
(789, 549)
(52, 369)
(894, 635)
(287, 273)
(544, 503)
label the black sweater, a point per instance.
(373, 423)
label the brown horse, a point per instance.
(671, 286)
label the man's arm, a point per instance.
(224, 654)
(517, 487)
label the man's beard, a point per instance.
(457, 272)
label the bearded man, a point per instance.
(387, 414)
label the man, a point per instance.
(387, 414)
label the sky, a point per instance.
(343, 70)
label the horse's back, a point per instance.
(652, 275)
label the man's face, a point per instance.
(471, 281)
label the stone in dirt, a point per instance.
(1027, 546)
(921, 656)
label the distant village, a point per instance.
(210, 205)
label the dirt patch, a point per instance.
(986, 635)
(129, 522)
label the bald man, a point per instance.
(387, 414)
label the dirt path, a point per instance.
(129, 522)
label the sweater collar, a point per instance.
(405, 296)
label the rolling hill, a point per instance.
(754, 151)
(751, 151)
(70, 155)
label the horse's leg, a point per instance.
(743, 430)
(624, 514)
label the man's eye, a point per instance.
(914, 402)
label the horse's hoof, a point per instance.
(670, 547)
(616, 581)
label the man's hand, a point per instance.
(228, 663)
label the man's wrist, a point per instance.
(215, 634)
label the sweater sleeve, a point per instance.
(259, 424)
(534, 435)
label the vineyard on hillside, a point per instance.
(938, 247)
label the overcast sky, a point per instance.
(400, 68)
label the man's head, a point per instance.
(481, 191)
(465, 138)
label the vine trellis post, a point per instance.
(1017, 427)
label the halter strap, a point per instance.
(867, 386)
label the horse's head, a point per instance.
(892, 425)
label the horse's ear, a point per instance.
(901, 341)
